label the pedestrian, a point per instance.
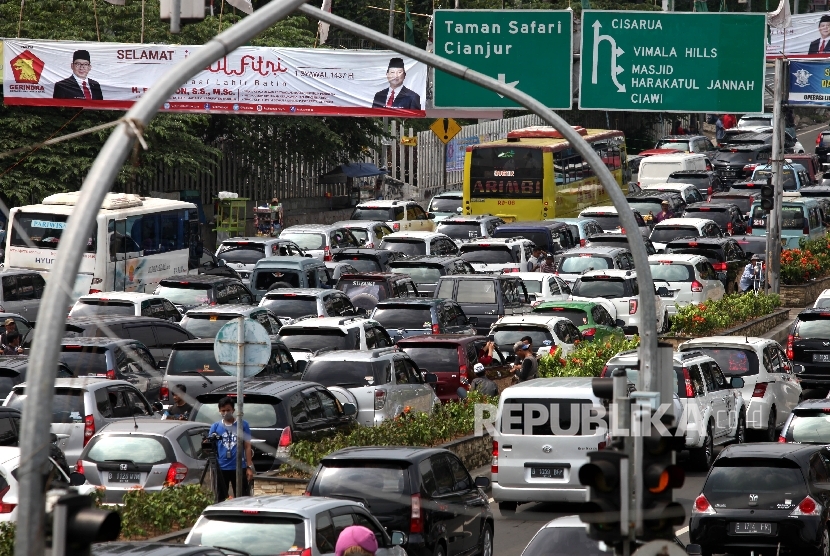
(10, 326)
(664, 214)
(276, 216)
(527, 340)
(729, 121)
(12, 344)
(356, 540)
(226, 448)
(526, 367)
(483, 384)
(548, 266)
(720, 132)
(180, 410)
(536, 256)
(749, 276)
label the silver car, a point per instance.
(307, 525)
(368, 233)
(147, 454)
(320, 241)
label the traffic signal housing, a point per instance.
(85, 525)
(606, 476)
(660, 477)
(768, 195)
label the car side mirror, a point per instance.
(461, 393)
(221, 262)
(430, 378)
(398, 538)
(430, 216)
(482, 481)
(736, 382)
(349, 409)
(620, 323)
(694, 550)
(76, 479)
(157, 406)
(473, 321)
(53, 438)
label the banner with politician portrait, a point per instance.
(808, 36)
(809, 83)
(250, 80)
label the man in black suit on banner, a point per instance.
(78, 85)
(822, 44)
(396, 95)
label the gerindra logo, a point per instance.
(26, 68)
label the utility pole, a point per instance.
(175, 16)
(383, 160)
(774, 219)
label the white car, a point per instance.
(691, 278)
(609, 219)
(445, 205)
(413, 244)
(125, 304)
(543, 286)
(688, 191)
(401, 216)
(547, 332)
(619, 292)
(495, 255)
(823, 300)
(307, 336)
(242, 253)
(366, 232)
(675, 228)
(571, 264)
(771, 390)
(320, 240)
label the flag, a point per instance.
(723, 7)
(323, 27)
(780, 18)
(430, 43)
(700, 6)
(586, 4)
(408, 28)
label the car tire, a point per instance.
(740, 430)
(439, 550)
(487, 541)
(508, 508)
(702, 457)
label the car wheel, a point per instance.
(702, 457)
(487, 541)
(740, 431)
(770, 432)
(507, 508)
(439, 550)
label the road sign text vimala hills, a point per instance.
(672, 61)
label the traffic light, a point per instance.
(606, 477)
(768, 195)
(660, 477)
(77, 526)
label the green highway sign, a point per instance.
(530, 50)
(672, 62)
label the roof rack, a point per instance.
(347, 320)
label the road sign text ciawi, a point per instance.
(496, 49)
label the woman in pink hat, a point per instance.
(356, 541)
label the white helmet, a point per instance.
(478, 369)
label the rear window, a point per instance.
(674, 144)
(120, 447)
(435, 358)
(733, 361)
(67, 404)
(653, 169)
(577, 316)
(753, 247)
(672, 272)
(193, 360)
(730, 156)
(315, 339)
(700, 182)
(99, 307)
(403, 316)
(809, 427)
(652, 207)
(460, 230)
(239, 252)
(576, 264)
(184, 293)
(264, 279)
(497, 254)
(85, 360)
(605, 221)
(813, 328)
(377, 213)
(257, 535)
(633, 376)
(409, 247)
(476, 291)
(540, 238)
(773, 480)
(348, 374)
(514, 411)
(445, 204)
(744, 202)
(569, 541)
(290, 305)
(206, 326)
(712, 252)
(507, 335)
(420, 273)
(597, 287)
(793, 218)
(664, 234)
(354, 287)
(720, 216)
(362, 264)
(306, 241)
(258, 415)
(363, 479)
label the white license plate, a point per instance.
(124, 477)
(753, 528)
(547, 472)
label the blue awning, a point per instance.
(351, 170)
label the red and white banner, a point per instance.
(250, 80)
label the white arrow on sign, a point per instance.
(503, 79)
(615, 51)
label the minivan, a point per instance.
(657, 169)
(548, 235)
(801, 218)
(288, 272)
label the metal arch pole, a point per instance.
(40, 382)
(649, 381)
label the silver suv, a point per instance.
(379, 382)
(320, 240)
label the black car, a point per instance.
(649, 203)
(13, 372)
(188, 291)
(209, 264)
(10, 433)
(426, 270)
(368, 260)
(725, 254)
(706, 182)
(767, 497)
(486, 297)
(727, 216)
(729, 162)
(366, 290)
(609, 239)
(157, 335)
(752, 245)
(741, 197)
(808, 423)
(808, 347)
(823, 146)
(403, 318)
(279, 413)
(425, 492)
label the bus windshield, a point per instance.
(504, 171)
(41, 230)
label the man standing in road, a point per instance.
(226, 450)
(664, 214)
(527, 367)
(180, 409)
(536, 259)
(720, 132)
(822, 44)
(548, 265)
(78, 85)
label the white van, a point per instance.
(656, 169)
(541, 466)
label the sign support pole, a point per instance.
(240, 375)
(775, 218)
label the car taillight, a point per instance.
(494, 466)
(111, 374)
(307, 493)
(327, 254)
(697, 286)
(806, 230)
(808, 506)
(176, 473)
(89, 428)
(702, 506)
(285, 438)
(782, 440)
(790, 341)
(760, 390)
(721, 267)
(94, 291)
(729, 228)
(690, 393)
(582, 243)
(436, 328)
(164, 391)
(462, 368)
(709, 190)
(5, 507)
(818, 139)
(79, 467)
(303, 552)
(604, 372)
(396, 226)
(416, 523)
(589, 333)
(632, 306)
(380, 399)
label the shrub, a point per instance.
(7, 538)
(703, 319)
(799, 266)
(149, 514)
(586, 359)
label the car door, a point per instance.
(423, 393)
(29, 298)
(167, 336)
(382, 337)
(716, 399)
(732, 395)
(11, 300)
(792, 388)
(145, 334)
(704, 408)
(418, 219)
(448, 514)
(777, 381)
(403, 392)
(137, 403)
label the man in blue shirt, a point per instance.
(226, 449)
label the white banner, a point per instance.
(804, 38)
(250, 80)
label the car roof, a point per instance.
(276, 388)
(703, 240)
(411, 454)
(726, 340)
(672, 257)
(360, 223)
(278, 262)
(127, 296)
(434, 259)
(9, 454)
(385, 203)
(414, 235)
(669, 193)
(149, 426)
(113, 319)
(532, 275)
(567, 304)
(477, 277)
(146, 548)
(450, 195)
(84, 383)
(796, 452)
(734, 193)
(530, 224)
(467, 218)
(681, 137)
(411, 301)
(684, 222)
(542, 319)
(599, 249)
(717, 207)
(198, 279)
(693, 173)
(375, 276)
(441, 339)
(324, 322)
(255, 239)
(613, 272)
(234, 309)
(666, 187)
(354, 354)
(298, 291)
(311, 228)
(821, 403)
(598, 211)
(532, 387)
(96, 341)
(307, 506)
(660, 158)
(14, 362)
(568, 521)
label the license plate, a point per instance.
(119, 477)
(821, 357)
(547, 472)
(753, 528)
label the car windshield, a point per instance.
(508, 334)
(315, 339)
(435, 358)
(185, 294)
(409, 247)
(789, 178)
(563, 541)
(206, 326)
(354, 287)
(258, 415)
(380, 214)
(733, 361)
(605, 221)
(594, 287)
(445, 204)
(85, 360)
(256, 535)
(348, 374)
(755, 121)
(501, 254)
(672, 272)
(809, 427)
(241, 252)
(403, 316)
(67, 404)
(265, 278)
(99, 307)
(187, 361)
(675, 144)
(575, 264)
(311, 241)
(460, 230)
(290, 305)
(420, 273)
(115, 447)
(664, 234)
(721, 217)
(577, 316)
(776, 482)
(813, 328)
